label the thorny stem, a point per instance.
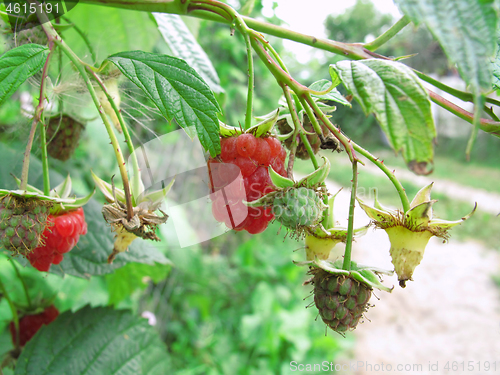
(478, 105)
(462, 95)
(309, 149)
(389, 34)
(126, 134)
(350, 226)
(251, 79)
(14, 314)
(49, 30)
(489, 126)
(38, 118)
(85, 39)
(28, 298)
(297, 129)
(380, 164)
(341, 137)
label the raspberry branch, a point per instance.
(350, 226)
(135, 165)
(80, 66)
(38, 118)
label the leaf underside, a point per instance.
(466, 29)
(393, 93)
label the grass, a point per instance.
(482, 227)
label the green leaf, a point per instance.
(126, 280)
(333, 94)
(92, 341)
(466, 29)
(177, 90)
(184, 46)
(17, 65)
(496, 72)
(394, 94)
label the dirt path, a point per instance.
(451, 312)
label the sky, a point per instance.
(308, 16)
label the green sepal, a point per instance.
(73, 205)
(266, 125)
(330, 220)
(29, 188)
(375, 213)
(107, 190)
(423, 195)
(34, 194)
(228, 131)
(62, 200)
(420, 214)
(154, 199)
(62, 190)
(318, 176)
(278, 180)
(266, 200)
(380, 206)
(445, 224)
(364, 274)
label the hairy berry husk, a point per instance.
(298, 207)
(22, 221)
(340, 299)
(63, 134)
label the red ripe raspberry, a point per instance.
(247, 165)
(279, 166)
(262, 153)
(41, 263)
(30, 324)
(62, 234)
(253, 156)
(256, 226)
(275, 146)
(246, 145)
(228, 149)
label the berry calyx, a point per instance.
(246, 145)
(30, 324)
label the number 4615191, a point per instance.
(17, 8)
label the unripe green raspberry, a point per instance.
(298, 207)
(20, 227)
(341, 300)
(63, 134)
